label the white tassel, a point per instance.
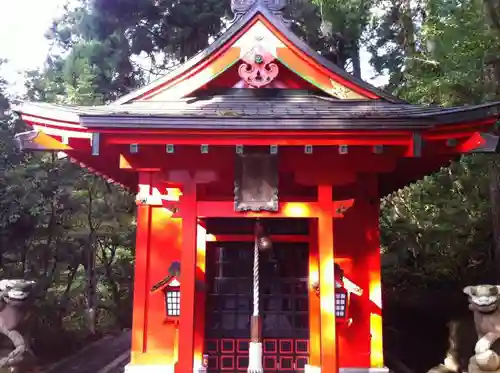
(255, 358)
(311, 369)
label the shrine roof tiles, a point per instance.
(293, 111)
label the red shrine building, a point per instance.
(258, 130)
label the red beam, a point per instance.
(154, 157)
(436, 136)
(250, 132)
(473, 142)
(464, 127)
(236, 138)
(105, 165)
(220, 209)
(251, 238)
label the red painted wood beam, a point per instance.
(251, 238)
(475, 141)
(255, 139)
(155, 158)
(358, 159)
(463, 127)
(443, 136)
(287, 209)
(105, 164)
(253, 132)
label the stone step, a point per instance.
(103, 356)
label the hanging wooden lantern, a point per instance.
(171, 288)
(341, 304)
(172, 294)
(341, 295)
(343, 289)
(256, 182)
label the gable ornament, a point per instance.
(258, 68)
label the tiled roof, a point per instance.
(261, 112)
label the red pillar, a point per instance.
(153, 340)
(327, 281)
(355, 349)
(139, 342)
(372, 253)
(199, 324)
(188, 212)
(314, 301)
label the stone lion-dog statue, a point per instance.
(15, 308)
(484, 302)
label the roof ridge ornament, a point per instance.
(241, 7)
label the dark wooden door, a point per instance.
(284, 307)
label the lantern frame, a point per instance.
(171, 288)
(172, 294)
(341, 304)
(344, 288)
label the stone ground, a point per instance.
(120, 368)
(108, 355)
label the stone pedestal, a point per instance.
(489, 362)
(311, 369)
(132, 368)
(315, 369)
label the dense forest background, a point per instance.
(75, 234)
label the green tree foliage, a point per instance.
(101, 36)
(343, 23)
(442, 229)
(438, 51)
(66, 228)
(437, 233)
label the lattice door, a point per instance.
(284, 307)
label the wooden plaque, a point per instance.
(256, 182)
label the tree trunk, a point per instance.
(495, 214)
(90, 263)
(91, 285)
(356, 64)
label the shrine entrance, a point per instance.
(284, 299)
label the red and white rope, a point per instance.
(256, 288)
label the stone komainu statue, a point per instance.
(484, 302)
(16, 298)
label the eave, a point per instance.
(397, 127)
(332, 115)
